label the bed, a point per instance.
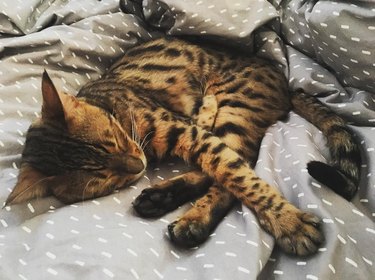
(323, 47)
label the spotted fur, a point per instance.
(173, 98)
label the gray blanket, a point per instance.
(324, 47)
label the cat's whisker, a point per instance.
(145, 138)
(86, 187)
(135, 134)
(143, 147)
(133, 125)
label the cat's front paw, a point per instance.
(153, 202)
(188, 233)
(295, 231)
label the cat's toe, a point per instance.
(295, 231)
(153, 203)
(305, 238)
(187, 233)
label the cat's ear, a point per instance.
(56, 106)
(52, 107)
(30, 184)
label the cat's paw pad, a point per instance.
(298, 233)
(153, 202)
(188, 233)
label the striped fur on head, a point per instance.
(69, 155)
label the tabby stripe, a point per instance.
(270, 85)
(204, 148)
(171, 80)
(37, 131)
(255, 186)
(172, 137)
(225, 177)
(259, 78)
(259, 200)
(102, 88)
(130, 66)
(143, 101)
(230, 127)
(189, 55)
(201, 60)
(279, 207)
(206, 135)
(229, 66)
(197, 104)
(337, 128)
(75, 154)
(173, 52)
(142, 80)
(219, 92)
(194, 133)
(219, 148)
(108, 143)
(251, 145)
(269, 106)
(149, 117)
(231, 78)
(239, 179)
(165, 116)
(249, 92)
(193, 82)
(236, 164)
(215, 162)
(250, 194)
(269, 203)
(244, 153)
(234, 88)
(239, 104)
(237, 188)
(159, 67)
(46, 137)
(148, 49)
(246, 74)
(260, 123)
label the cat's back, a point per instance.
(167, 54)
(160, 58)
(177, 74)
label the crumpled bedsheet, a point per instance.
(323, 47)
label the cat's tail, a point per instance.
(343, 173)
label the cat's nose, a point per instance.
(127, 164)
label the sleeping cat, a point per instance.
(211, 108)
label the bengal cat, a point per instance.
(211, 108)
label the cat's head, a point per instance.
(75, 151)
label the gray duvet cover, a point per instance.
(324, 47)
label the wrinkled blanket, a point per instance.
(323, 47)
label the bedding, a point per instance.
(323, 47)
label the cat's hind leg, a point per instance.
(170, 194)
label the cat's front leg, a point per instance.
(170, 194)
(196, 225)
